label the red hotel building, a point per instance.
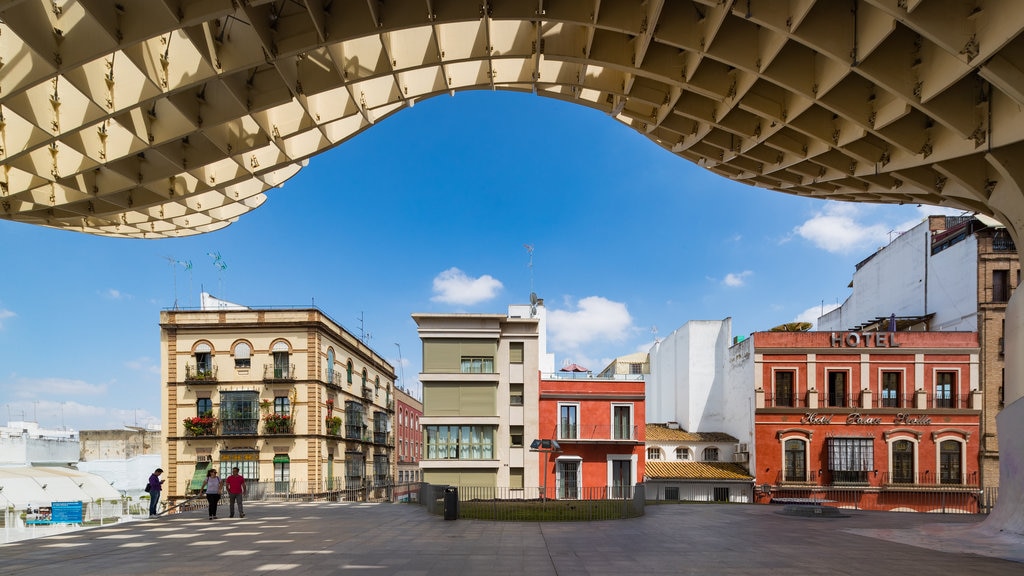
(599, 424)
(873, 420)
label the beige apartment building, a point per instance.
(289, 396)
(480, 380)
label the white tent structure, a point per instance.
(22, 487)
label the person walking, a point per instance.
(154, 487)
(236, 489)
(212, 487)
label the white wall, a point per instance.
(904, 279)
(689, 382)
(126, 476)
(740, 376)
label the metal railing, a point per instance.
(599, 432)
(935, 501)
(929, 480)
(200, 374)
(274, 372)
(527, 504)
(784, 401)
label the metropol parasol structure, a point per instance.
(167, 118)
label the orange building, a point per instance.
(872, 420)
(598, 422)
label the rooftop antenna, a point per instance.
(401, 368)
(654, 331)
(533, 295)
(363, 335)
(221, 266)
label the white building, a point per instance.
(690, 382)
(25, 443)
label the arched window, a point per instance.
(364, 377)
(348, 371)
(204, 359)
(654, 453)
(330, 366)
(377, 385)
(711, 454)
(243, 355)
(903, 462)
(282, 366)
(682, 453)
(796, 460)
(950, 467)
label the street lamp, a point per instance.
(546, 447)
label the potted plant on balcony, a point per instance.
(333, 424)
(277, 424)
(204, 425)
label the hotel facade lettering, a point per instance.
(863, 340)
(857, 419)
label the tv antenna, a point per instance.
(533, 295)
(221, 266)
(363, 334)
(174, 262)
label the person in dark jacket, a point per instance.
(155, 485)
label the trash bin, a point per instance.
(451, 503)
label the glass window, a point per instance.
(282, 368)
(348, 371)
(796, 461)
(636, 368)
(622, 422)
(477, 365)
(903, 462)
(945, 390)
(682, 453)
(850, 459)
(711, 454)
(1000, 285)
(282, 406)
(243, 355)
(330, 366)
(204, 407)
(568, 424)
(282, 474)
(654, 453)
(784, 388)
(239, 412)
(516, 433)
(950, 463)
(460, 442)
(515, 394)
(247, 462)
(891, 389)
(837, 389)
(568, 472)
(353, 420)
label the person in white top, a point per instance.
(212, 487)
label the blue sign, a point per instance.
(66, 512)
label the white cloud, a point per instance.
(736, 279)
(114, 294)
(43, 388)
(144, 364)
(836, 229)
(453, 287)
(595, 319)
(5, 314)
(813, 313)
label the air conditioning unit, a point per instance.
(740, 457)
(741, 447)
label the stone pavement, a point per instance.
(357, 538)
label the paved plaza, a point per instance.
(356, 538)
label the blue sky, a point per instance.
(429, 211)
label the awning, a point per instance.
(281, 458)
(198, 476)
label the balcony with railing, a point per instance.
(278, 424)
(929, 481)
(785, 401)
(354, 431)
(283, 372)
(201, 426)
(198, 374)
(597, 433)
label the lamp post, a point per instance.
(545, 447)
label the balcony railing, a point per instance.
(786, 401)
(929, 480)
(277, 424)
(948, 401)
(201, 426)
(354, 432)
(200, 374)
(276, 372)
(597, 432)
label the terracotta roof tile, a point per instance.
(661, 432)
(656, 469)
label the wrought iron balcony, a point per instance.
(239, 426)
(279, 372)
(597, 433)
(200, 374)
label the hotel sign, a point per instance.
(857, 419)
(863, 340)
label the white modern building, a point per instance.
(690, 382)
